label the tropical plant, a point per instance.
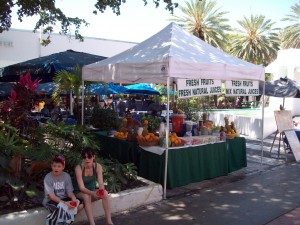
(68, 82)
(67, 140)
(116, 174)
(15, 181)
(190, 107)
(205, 21)
(104, 119)
(290, 36)
(257, 41)
(153, 122)
(16, 109)
(24, 160)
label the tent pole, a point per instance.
(82, 103)
(71, 102)
(262, 127)
(167, 139)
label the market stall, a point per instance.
(237, 157)
(122, 150)
(167, 56)
(187, 164)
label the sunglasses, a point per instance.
(86, 156)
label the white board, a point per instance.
(241, 88)
(188, 88)
(284, 120)
(294, 143)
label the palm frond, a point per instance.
(290, 36)
(256, 41)
(204, 20)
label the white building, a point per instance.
(287, 64)
(20, 45)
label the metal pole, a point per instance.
(82, 103)
(71, 102)
(262, 127)
(167, 140)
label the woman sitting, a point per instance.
(88, 174)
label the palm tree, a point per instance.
(204, 20)
(68, 81)
(256, 42)
(291, 34)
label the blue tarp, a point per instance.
(106, 89)
(142, 88)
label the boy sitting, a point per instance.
(59, 197)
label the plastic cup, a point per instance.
(73, 203)
(100, 192)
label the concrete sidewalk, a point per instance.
(254, 200)
(266, 193)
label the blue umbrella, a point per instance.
(51, 64)
(106, 89)
(163, 90)
(142, 88)
(47, 88)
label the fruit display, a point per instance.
(121, 135)
(228, 129)
(175, 140)
(149, 139)
(128, 129)
(205, 126)
(152, 122)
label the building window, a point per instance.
(6, 43)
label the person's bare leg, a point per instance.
(87, 206)
(106, 207)
(80, 207)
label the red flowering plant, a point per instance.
(16, 109)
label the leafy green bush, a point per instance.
(105, 119)
(27, 147)
(116, 174)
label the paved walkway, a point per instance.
(267, 193)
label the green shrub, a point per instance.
(105, 119)
(116, 174)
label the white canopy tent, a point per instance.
(170, 54)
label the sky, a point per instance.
(138, 22)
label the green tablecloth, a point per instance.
(237, 157)
(123, 151)
(185, 165)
